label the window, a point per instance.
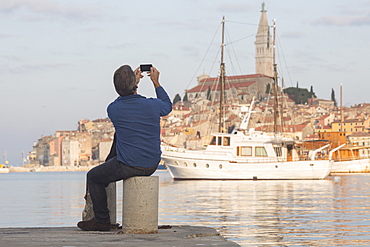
(213, 141)
(226, 141)
(219, 140)
(261, 151)
(245, 151)
(278, 151)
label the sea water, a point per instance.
(330, 212)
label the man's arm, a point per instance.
(154, 76)
(161, 93)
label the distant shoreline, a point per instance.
(51, 169)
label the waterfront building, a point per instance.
(329, 104)
(350, 126)
(70, 151)
(103, 149)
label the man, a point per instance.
(137, 140)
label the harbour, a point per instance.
(255, 152)
(329, 212)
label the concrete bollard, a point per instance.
(140, 205)
(88, 213)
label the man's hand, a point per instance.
(154, 76)
(138, 75)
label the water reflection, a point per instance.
(41, 199)
(269, 213)
(332, 212)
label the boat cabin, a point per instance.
(254, 145)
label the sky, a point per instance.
(57, 57)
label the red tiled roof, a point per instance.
(230, 78)
(203, 88)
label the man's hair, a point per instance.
(124, 80)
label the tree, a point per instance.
(176, 99)
(333, 97)
(299, 95)
(185, 97)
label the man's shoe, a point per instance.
(92, 225)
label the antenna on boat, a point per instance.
(222, 78)
(245, 123)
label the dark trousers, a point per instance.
(101, 176)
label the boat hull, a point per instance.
(4, 170)
(189, 168)
(351, 166)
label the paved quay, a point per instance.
(173, 236)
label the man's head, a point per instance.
(124, 80)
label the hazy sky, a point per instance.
(57, 57)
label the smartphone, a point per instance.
(145, 67)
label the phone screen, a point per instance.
(145, 67)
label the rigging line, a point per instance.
(214, 61)
(214, 36)
(285, 63)
(213, 102)
(229, 54)
(231, 60)
(244, 23)
(246, 37)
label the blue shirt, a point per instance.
(136, 120)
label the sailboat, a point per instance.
(244, 154)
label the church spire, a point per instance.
(263, 48)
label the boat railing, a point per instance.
(349, 158)
(317, 157)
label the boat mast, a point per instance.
(341, 109)
(222, 78)
(275, 80)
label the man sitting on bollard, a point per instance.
(136, 120)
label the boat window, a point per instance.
(219, 139)
(245, 151)
(213, 141)
(226, 141)
(278, 151)
(261, 151)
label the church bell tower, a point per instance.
(263, 46)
